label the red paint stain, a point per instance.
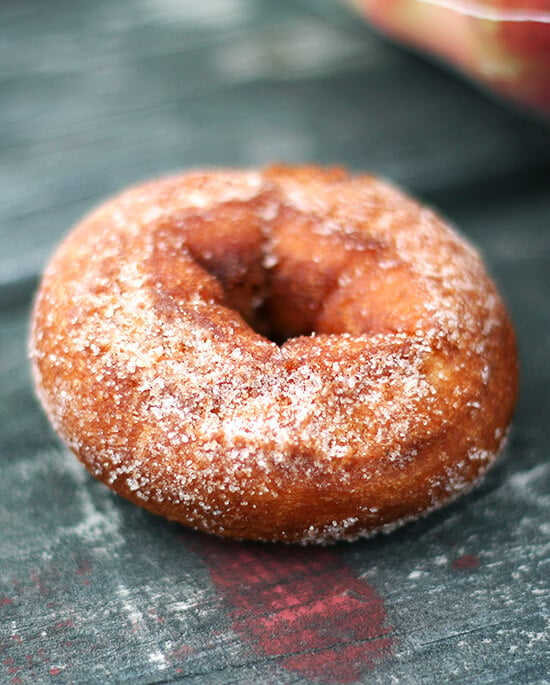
(465, 563)
(303, 606)
(54, 670)
(11, 667)
(5, 600)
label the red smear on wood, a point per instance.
(465, 562)
(303, 606)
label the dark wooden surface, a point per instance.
(97, 95)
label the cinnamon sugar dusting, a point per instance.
(152, 354)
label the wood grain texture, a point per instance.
(94, 96)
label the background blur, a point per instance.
(98, 95)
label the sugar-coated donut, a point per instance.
(293, 354)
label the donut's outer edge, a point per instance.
(169, 397)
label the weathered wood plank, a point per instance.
(92, 589)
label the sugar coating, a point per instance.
(389, 393)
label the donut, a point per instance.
(293, 354)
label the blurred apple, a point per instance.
(503, 44)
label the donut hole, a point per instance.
(326, 279)
(296, 275)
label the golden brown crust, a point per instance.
(390, 390)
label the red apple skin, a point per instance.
(502, 44)
(530, 42)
